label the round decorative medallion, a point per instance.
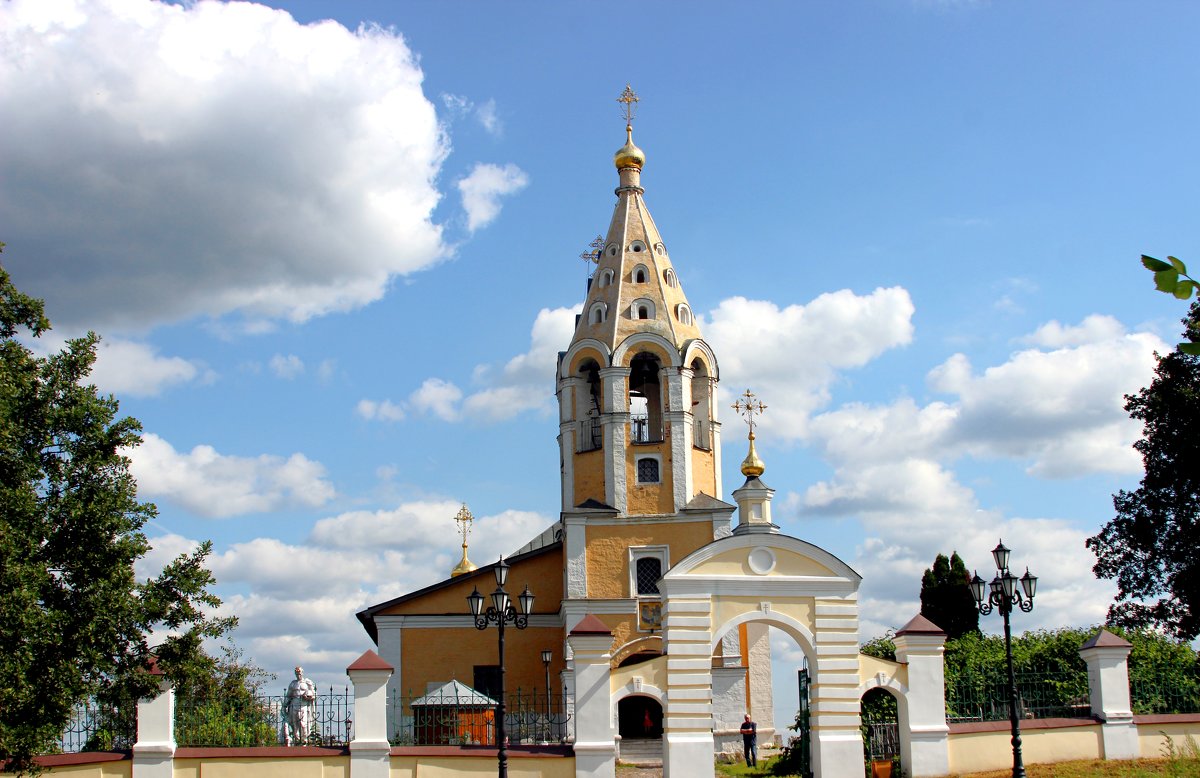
(762, 560)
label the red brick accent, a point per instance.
(369, 661)
(590, 625)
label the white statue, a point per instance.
(300, 708)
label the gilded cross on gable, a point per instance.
(630, 99)
(464, 519)
(594, 249)
(748, 406)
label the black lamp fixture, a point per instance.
(1003, 593)
(547, 655)
(501, 612)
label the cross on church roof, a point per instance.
(594, 249)
(748, 406)
(630, 99)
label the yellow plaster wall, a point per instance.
(799, 608)
(982, 751)
(1152, 738)
(634, 326)
(543, 573)
(656, 498)
(608, 551)
(704, 473)
(584, 355)
(281, 767)
(451, 653)
(589, 476)
(461, 767)
(870, 666)
(736, 562)
(652, 672)
(121, 769)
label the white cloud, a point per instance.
(1093, 329)
(791, 355)
(459, 106)
(438, 397)
(133, 369)
(287, 367)
(482, 189)
(189, 151)
(486, 114)
(216, 485)
(384, 410)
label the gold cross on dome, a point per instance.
(464, 519)
(748, 406)
(594, 249)
(630, 99)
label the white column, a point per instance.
(388, 631)
(837, 745)
(595, 737)
(370, 749)
(688, 745)
(575, 549)
(924, 742)
(1108, 684)
(154, 751)
(614, 382)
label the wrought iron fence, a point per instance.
(642, 431)
(531, 717)
(99, 728)
(881, 739)
(1166, 691)
(974, 696)
(262, 721)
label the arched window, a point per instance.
(658, 248)
(637, 247)
(649, 568)
(640, 274)
(641, 309)
(587, 406)
(645, 400)
(606, 277)
(597, 313)
(702, 388)
(670, 279)
(684, 314)
(612, 249)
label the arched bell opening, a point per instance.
(587, 406)
(645, 399)
(639, 718)
(702, 386)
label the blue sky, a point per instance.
(332, 249)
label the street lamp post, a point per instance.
(546, 656)
(1003, 593)
(501, 612)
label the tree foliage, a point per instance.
(1171, 277)
(946, 598)
(74, 621)
(1149, 547)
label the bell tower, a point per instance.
(638, 429)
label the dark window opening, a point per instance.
(647, 571)
(647, 471)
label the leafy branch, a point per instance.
(1171, 277)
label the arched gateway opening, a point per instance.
(639, 718)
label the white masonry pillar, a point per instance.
(370, 749)
(154, 751)
(595, 738)
(924, 742)
(1108, 684)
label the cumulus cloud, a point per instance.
(1057, 408)
(459, 106)
(134, 369)
(437, 397)
(381, 410)
(286, 367)
(793, 354)
(208, 158)
(482, 189)
(217, 485)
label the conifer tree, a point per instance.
(946, 599)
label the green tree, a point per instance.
(74, 621)
(946, 598)
(1172, 278)
(1149, 547)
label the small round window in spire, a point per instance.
(612, 249)
(637, 247)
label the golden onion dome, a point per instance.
(629, 155)
(752, 466)
(464, 566)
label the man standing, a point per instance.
(300, 707)
(750, 741)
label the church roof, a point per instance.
(634, 273)
(706, 502)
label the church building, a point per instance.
(639, 440)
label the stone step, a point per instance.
(642, 751)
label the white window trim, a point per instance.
(670, 279)
(684, 314)
(638, 303)
(645, 275)
(639, 458)
(606, 277)
(638, 247)
(597, 313)
(661, 552)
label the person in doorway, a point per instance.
(750, 741)
(647, 725)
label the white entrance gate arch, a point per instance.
(758, 575)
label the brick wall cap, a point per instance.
(919, 625)
(1106, 639)
(369, 661)
(590, 625)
